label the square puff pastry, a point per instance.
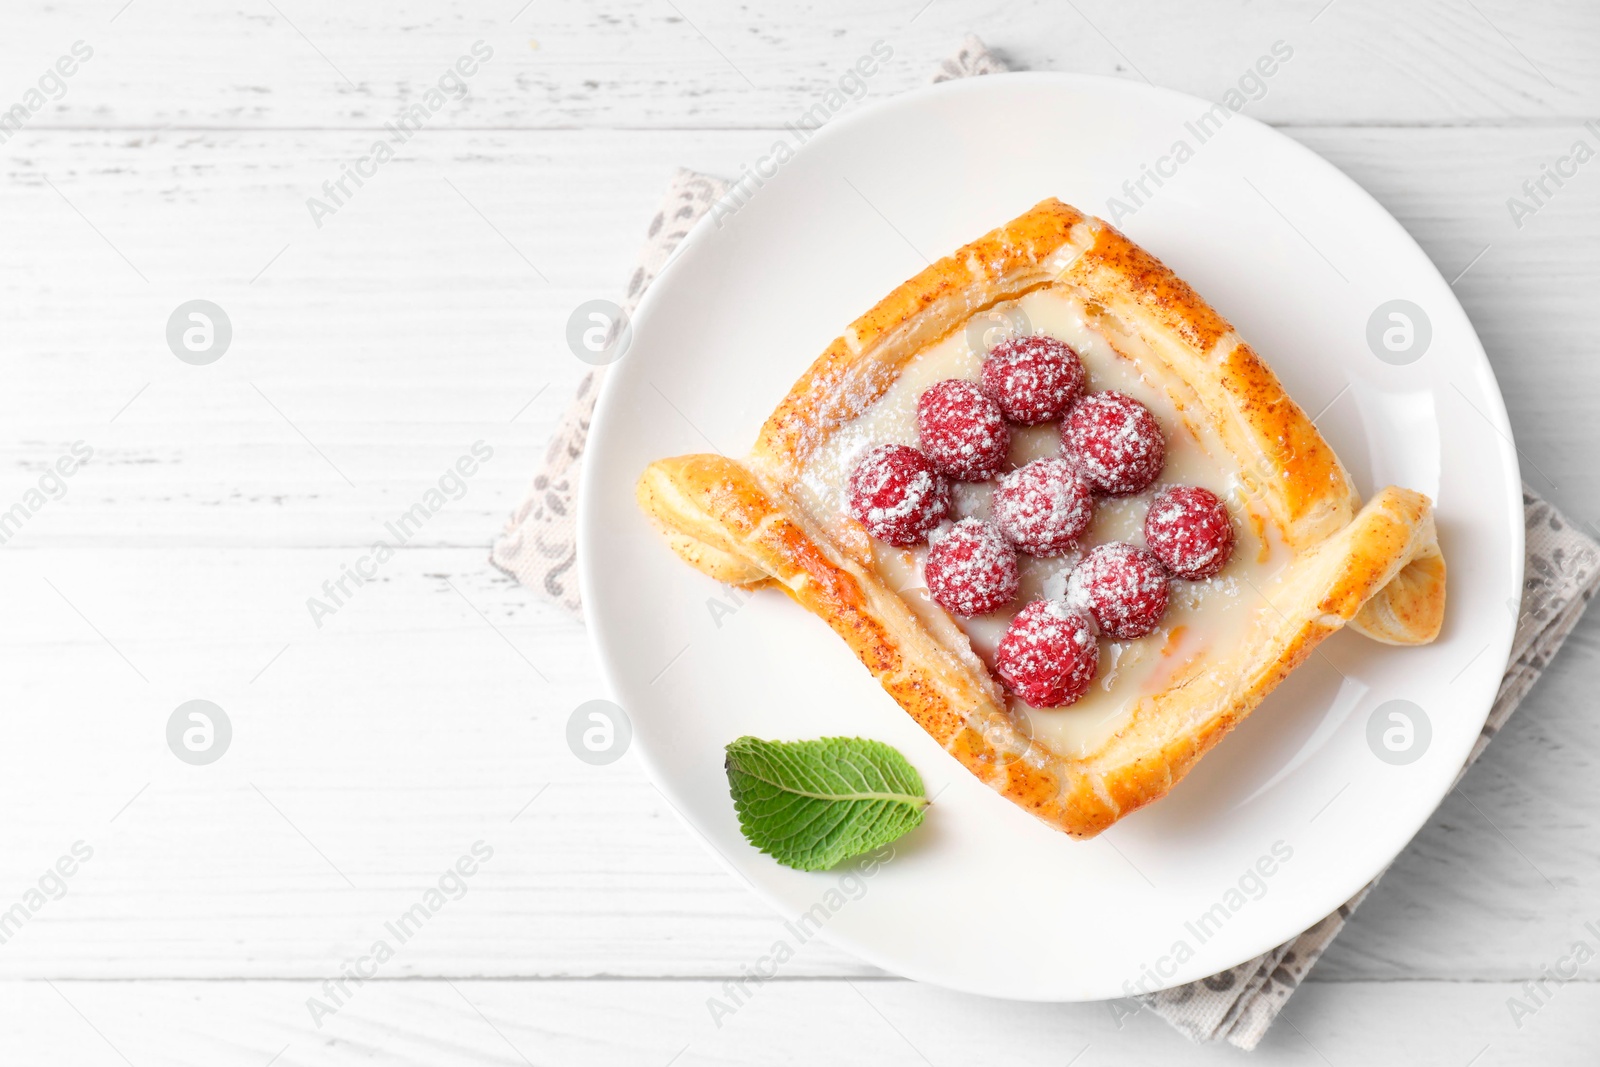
(751, 522)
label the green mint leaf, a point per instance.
(812, 804)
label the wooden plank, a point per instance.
(644, 64)
(247, 1024)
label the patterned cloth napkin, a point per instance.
(538, 548)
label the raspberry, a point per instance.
(1188, 528)
(962, 430)
(970, 569)
(1044, 507)
(1124, 587)
(1033, 379)
(1048, 655)
(897, 494)
(1118, 441)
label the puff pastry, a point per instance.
(762, 520)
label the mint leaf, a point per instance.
(812, 804)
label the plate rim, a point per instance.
(1047, 80)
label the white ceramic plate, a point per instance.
(983, 898)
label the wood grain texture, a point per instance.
(788, 1023)
(644, 63)
(414, 322)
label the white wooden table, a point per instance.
(428, 713)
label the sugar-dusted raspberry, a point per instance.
(1123, 586)
(1044, 507)
(1118, 441)
(962, 430)
(898, 495)
(970, 569)
(1033, 379)
(1048, 655)
(1188, 529)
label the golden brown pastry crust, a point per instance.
(1377, 568)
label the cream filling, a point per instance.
(1201, 615)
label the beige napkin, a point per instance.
(538, 548)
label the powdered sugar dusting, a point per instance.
(1118, 441)
(897, 495)
(1048, 655)
(1034, 379)
(970, 569)
(1189, 529)
(1044, 507)
(962, 430)
(1200, 615)
(1122, 587)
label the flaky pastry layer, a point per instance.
(1377, 568)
